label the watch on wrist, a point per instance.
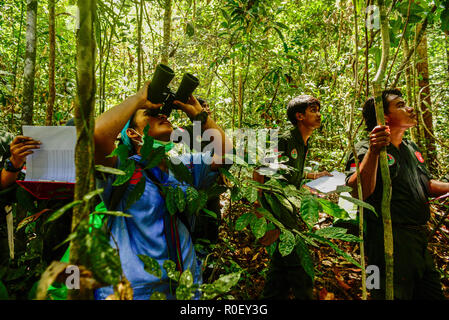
(10, 167)
(202, 116)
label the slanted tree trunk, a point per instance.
(422, 68)
(84, 121)
(51, 63)
(30, 63)
(167, 30)
(385, 171)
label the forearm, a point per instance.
(222, 145)
(368, 175)
(438, 188)
(7, 178)
(109, 124)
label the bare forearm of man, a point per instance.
(7, 178)
(438, 188)
(368, 175)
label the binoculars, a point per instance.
(159, 92)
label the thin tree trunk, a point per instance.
(240, 100)
(84, 121)
(409, 85)
(51, 63)
(351, 143)
(167, 29)
(139, 16)
(30, 63)
(19, 38)
(422, 68)
(385, 171)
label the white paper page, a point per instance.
(55, 160)
(327, 184)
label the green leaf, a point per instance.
(121, 152)
(25, 200)
(243, 221)
(181, 172)
(337, 233)
(236, 194)
(337, 249)
(310, 210)
(92, 194)
(129, 166)
(136, 192)
(186, 279)
(210, 213)
(286, 243)
(147, 146)
(170, 200)
(306, 259)
(360, 203)
(109, 170)
(250, 194)
(155, 157)
(170, 268)
(3, 292)
(226, 282)
(58, 213)
(151, 265)
(183, 293)
(180, 199)
(193, 201)
(258, 227)
(158, 296)
(333, 209)
(269, 216)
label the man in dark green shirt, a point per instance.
(414, 276)
(286, 276)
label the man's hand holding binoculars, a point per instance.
(191, 108)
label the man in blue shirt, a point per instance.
(144, 232)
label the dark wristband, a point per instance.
(10, 167)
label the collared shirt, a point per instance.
(409, 179)
(143, 233)
(292, 145)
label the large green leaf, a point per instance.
(192, 197)
(58, 213)
(170, 268)
(136, 192)
(155, 157)
(180, 199)
(151, 265)
(244, 220)
(147, 146)
(337, 249)
(333, 209)
(286, 243)
(258, 227)
(186, 279)
(250, 194)
(181, 172)
(306, 259)
(128, 166)
(170, 201)
(360, 203)
(337, 233)
(310, 210)
(109, 170)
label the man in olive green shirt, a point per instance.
(414, 275)
(286, 276)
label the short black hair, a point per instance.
(369, 111)
(300, 104)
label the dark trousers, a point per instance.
(414, 276)
(287, 277)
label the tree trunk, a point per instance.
(84, 121)
(422, 68)
(139, 16)
(167, 28)
(51, 63)
(30, 63)
(385, 171)
(240, 100)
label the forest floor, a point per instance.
(336, 278)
